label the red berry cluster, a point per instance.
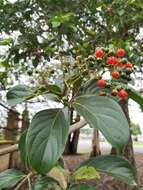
(118, 62)
(122, 94)
(119, 67)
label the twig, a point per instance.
(29, 182)
(27, 177)
(8, 129)
(21, 183)
(77, 125)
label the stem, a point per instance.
(29, 183)
(27, 177)
(21, 183)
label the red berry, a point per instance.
(115, 74)
(99, 53)
(128, 65)
(101, 83)
(120, 53)
(112, 61)
(122, 94)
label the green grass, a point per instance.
(140, 144)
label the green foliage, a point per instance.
(7, 41)
(135, 129)
(79, 23)
(115, 166)
(46, 138)
(106, 115)
(44, 183)
(10, 177)
(55, 29)
(82, 186)
(61, 19)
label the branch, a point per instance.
(14, 148)
(77, 126)
(7, 108)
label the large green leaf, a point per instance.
(115, 166)
(10, 178)
(17, 94)
(44, 183)
(136, 96)
(82, 186)
(46, 138)
(106, 115)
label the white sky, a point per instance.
(136, 114)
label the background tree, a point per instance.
(42, 30)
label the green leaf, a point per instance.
(5, 42)
(61, 175)
(91, 87)
(136, 96)
(82, 186)
(18, 94)
(106, 115)
(22, 149)
(57, 20)
(56, 24)
(10, 178)
(86, 172)
(51, 97)
(46, 138)
(115, 166)
(75, 81)
(54, 89)
(44, 183)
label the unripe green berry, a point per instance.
(29, 72)
(123, 60)
(99, 60)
